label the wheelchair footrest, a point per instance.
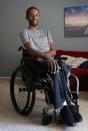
(47, 118)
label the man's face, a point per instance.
(33, 17)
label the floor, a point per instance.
(11, 120)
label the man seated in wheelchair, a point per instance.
(40, 46)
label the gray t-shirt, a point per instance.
(39, 39)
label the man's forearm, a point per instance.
(35, 53)
(38, 54)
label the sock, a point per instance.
(64, 103)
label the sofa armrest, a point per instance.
(80, 71)
(72, 53)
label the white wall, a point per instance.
(12, 21)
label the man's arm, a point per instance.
(45, 56)
(34, 52)
(52, 51)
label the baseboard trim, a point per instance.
(4, 77)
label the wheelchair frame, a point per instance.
(29, 89)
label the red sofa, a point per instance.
(81, 73)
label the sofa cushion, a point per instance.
(74, 62)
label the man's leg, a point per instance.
(70, 109)
(58, 90)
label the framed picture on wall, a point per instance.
(76, 21)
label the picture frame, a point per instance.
(76, 21)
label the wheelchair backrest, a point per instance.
(24, 52)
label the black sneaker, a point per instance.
(66, 116)
(76, 113)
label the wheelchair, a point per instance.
(23, 86)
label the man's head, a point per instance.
(32, 15)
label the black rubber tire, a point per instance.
(29, 104)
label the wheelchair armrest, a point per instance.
(61, 58)
(29, 58)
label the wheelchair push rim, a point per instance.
(22, 97)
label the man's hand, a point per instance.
(51, 53)
(53, 65)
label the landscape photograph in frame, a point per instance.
(76, 21)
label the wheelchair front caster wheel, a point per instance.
(47, 118)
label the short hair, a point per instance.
(31, 8)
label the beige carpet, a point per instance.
(10, 120)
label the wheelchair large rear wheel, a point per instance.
(21, 92)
